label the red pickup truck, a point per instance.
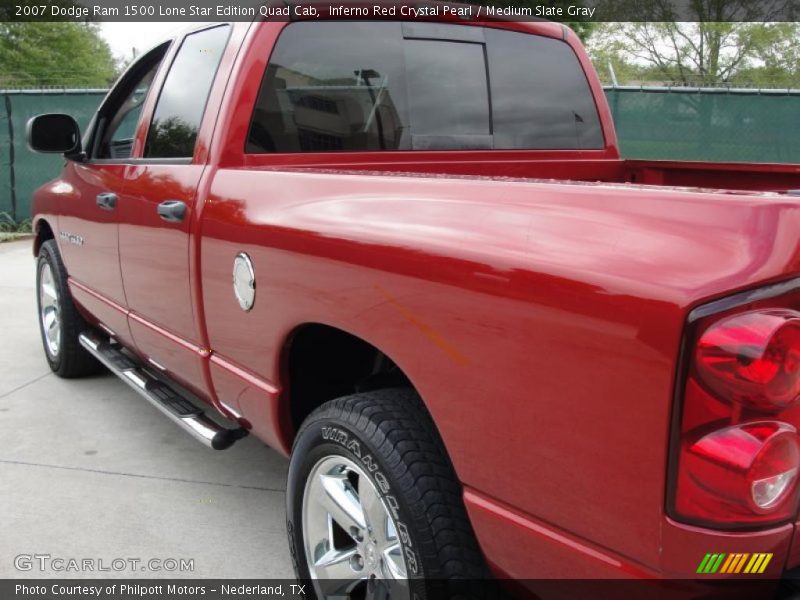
(407, 255)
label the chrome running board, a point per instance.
(173, 405)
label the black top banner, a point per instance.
(286, 10)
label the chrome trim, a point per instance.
(340, 495)
(157, 365)
(244, 281)
(134, 379)
(200, 426)
(49, 310)
(107, 329)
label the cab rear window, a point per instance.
(381, 86)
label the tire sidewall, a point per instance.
(328, 436)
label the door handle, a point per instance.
(172, 210)
(107, 200)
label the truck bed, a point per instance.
(764, 177)
(702, 176)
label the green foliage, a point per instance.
(702, 42)
(584, 29)
(9, 225)
(170, 137)
(66, 54)
(699, 53)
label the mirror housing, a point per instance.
(54, 134)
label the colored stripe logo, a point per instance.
(734, 563)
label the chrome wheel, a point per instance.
(49, 310)
(348, 532)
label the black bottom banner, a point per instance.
(556, 589)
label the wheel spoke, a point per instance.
(393, 559)
(49, 310)
(50, 320)
(49, 290)
(340, 497)
(55, 332)
(342, 503)
(335, 564)
(374, 512)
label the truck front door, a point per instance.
(88, 229)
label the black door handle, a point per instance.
(107, 201)
(172, 210)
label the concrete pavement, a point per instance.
(89, 470)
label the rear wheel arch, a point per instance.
(321, 362)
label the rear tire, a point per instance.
(59, 320)
(388, 437)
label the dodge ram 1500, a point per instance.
(408, 255)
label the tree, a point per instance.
(584, 29)
(709, 42)
(697, 53)
(69, 54)
(171, 137)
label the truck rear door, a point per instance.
(159, 206)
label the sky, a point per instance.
(123, 37)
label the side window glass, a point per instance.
(331, 87)
(180, 107)
(120, 123)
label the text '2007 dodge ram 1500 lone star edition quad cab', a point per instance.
(408, 255)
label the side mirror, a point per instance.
(54, 134)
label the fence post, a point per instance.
(12, 177)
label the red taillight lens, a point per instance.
(753, 358)
(774, 471)
(736, 454)
(751, 467)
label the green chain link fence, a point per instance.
(707, 124)
(22, 171)
(651, 123)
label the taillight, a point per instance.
(753, 358)
(736, 453)
(753, 464)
